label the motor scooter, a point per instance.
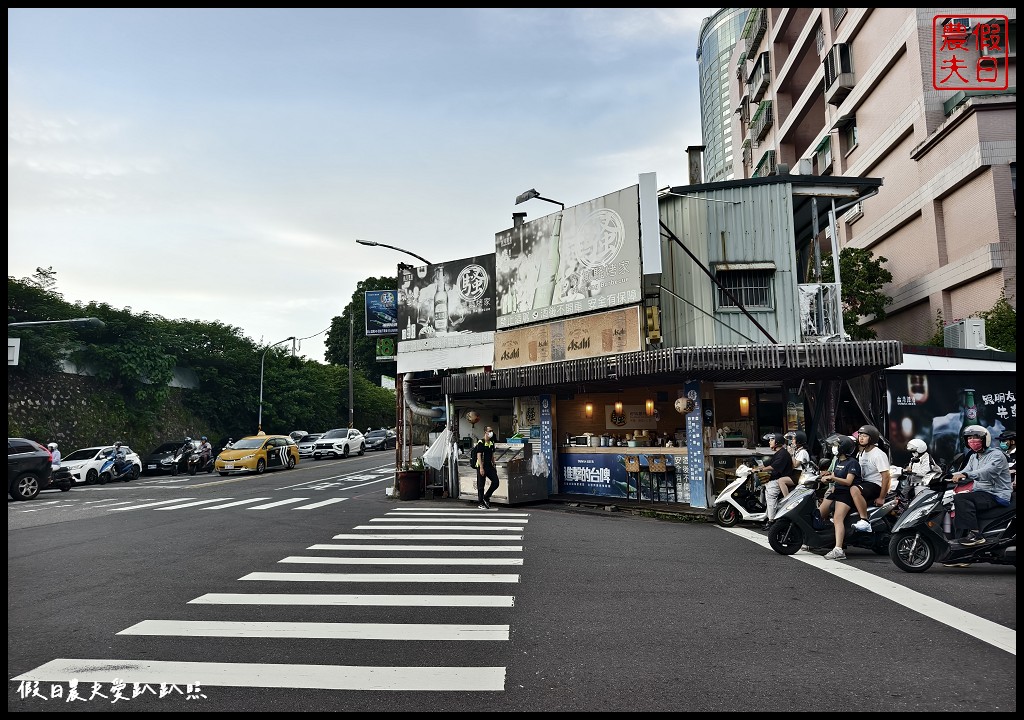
(923, 534)
(196, 463)
(743, 498)
(798, 522)
(117, 467)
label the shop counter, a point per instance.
(517, 483)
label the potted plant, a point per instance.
(410, 479)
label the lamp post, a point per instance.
(531, 194)
(93, 321)
(371, 243)
(259, 421)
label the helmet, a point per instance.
(977, 431)
(204, 438)
(800, 437)
(871, 431)
(779, 438)
(917, 446)
(846, 446)
(1008, 435)
(188, 439)
(51, 446)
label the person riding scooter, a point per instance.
(989, 471)
(845, 475)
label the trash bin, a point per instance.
(410, 484)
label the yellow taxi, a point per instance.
(257, 454)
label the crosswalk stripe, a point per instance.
(420, 548)
(384, 577)
(471, 528)
(333, 599)
(420, 518)
(400, 536)
(153, 504)
(328, 560)
(320, 504)
(192, 504)
(289, 501)
(319, 630)
(455, 514)
(271, 675)
(236, 502)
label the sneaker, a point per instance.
(956, 564)
(971, 539)
(487, 504)
(862, 525)
(835, 554)
(481, 506)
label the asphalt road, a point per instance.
(225, 584)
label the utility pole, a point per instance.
(351, 407)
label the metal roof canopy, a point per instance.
(733, 363)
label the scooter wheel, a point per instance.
(785, 537)
(911, 552)
(726, 515)
(102, 479)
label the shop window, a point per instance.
(753, 288)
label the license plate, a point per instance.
(151, 467)
(229, 466)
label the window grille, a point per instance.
(753, 288)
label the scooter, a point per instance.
(923, 534)
(117, 468)
(798, 522)
(196, 464)
(743, 498)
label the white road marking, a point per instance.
(422, 548)
(236, 502)
(420, 518)
(318, 630)
(381, 600)
(980, 628)
(470, 528)
(320, 504)
(153, 504)
(193, 504)
(267, 506)
(460, 513)
(400, 536)
(328, 560)
(383, 577)
(313, 677)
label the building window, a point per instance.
(848, 132)
(837, 16)
(753, 288)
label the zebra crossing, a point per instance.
(484, 559)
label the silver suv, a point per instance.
(340, 442)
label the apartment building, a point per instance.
(719, 34)
(861, 92)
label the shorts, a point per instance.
(870, 491)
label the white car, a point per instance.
(340, 442)
(84, 465)
(306, 443)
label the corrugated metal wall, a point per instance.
(758, 229)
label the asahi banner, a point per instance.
(582, 259)
(436, 302)
(381, 312)
(606, 333)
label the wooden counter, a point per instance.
(645, 450)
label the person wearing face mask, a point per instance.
(988, 470)
(485, 468)
(1008, 444)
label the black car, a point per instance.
(161, 460)
(381, 439)
(29, 471)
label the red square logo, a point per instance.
(970, 52)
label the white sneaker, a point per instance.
(481, 506)
(862, 525)
(835, 554)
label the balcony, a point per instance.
(765, 166)
(755, 29)
(839, 79)
(760, 77)
(748, 154)
(820, 312)
(761, 123)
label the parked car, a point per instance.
(382, 439)
(161, 460)
(297, 435)
(257, 454)
(306, 443)
(28, 469)
(340, 442)
(84, 464)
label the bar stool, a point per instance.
(632, 463)
(656, 467)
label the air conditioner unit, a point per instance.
(967, 334)
(839, 78)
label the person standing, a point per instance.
(54, 456)
(485, 468)
(988, 470)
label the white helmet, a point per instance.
(917, 446)
(977, 431)
(52, 446)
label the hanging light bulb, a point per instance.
(589, 410)
(649, 406)
(618, 407)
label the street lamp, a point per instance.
(531, 194)
(371, 243)
(93, 321)
(259, 421)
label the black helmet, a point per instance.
(977, 431)
(872, 432)
(188, 439)
(1008, 435)
(779, 438)
(846, 445)
(204, 438)
(800, 437)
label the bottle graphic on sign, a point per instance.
(968, 416)
(440, 303)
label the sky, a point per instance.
(219, 164)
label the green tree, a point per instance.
(1001, 325)
(862, 277)
(364, 349)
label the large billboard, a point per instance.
(607, 333)
(936, 406)
(452, 298)
(381, 312)
(584, 258)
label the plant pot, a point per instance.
(410, 484)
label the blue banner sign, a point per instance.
(604, 474)
(381, 312)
